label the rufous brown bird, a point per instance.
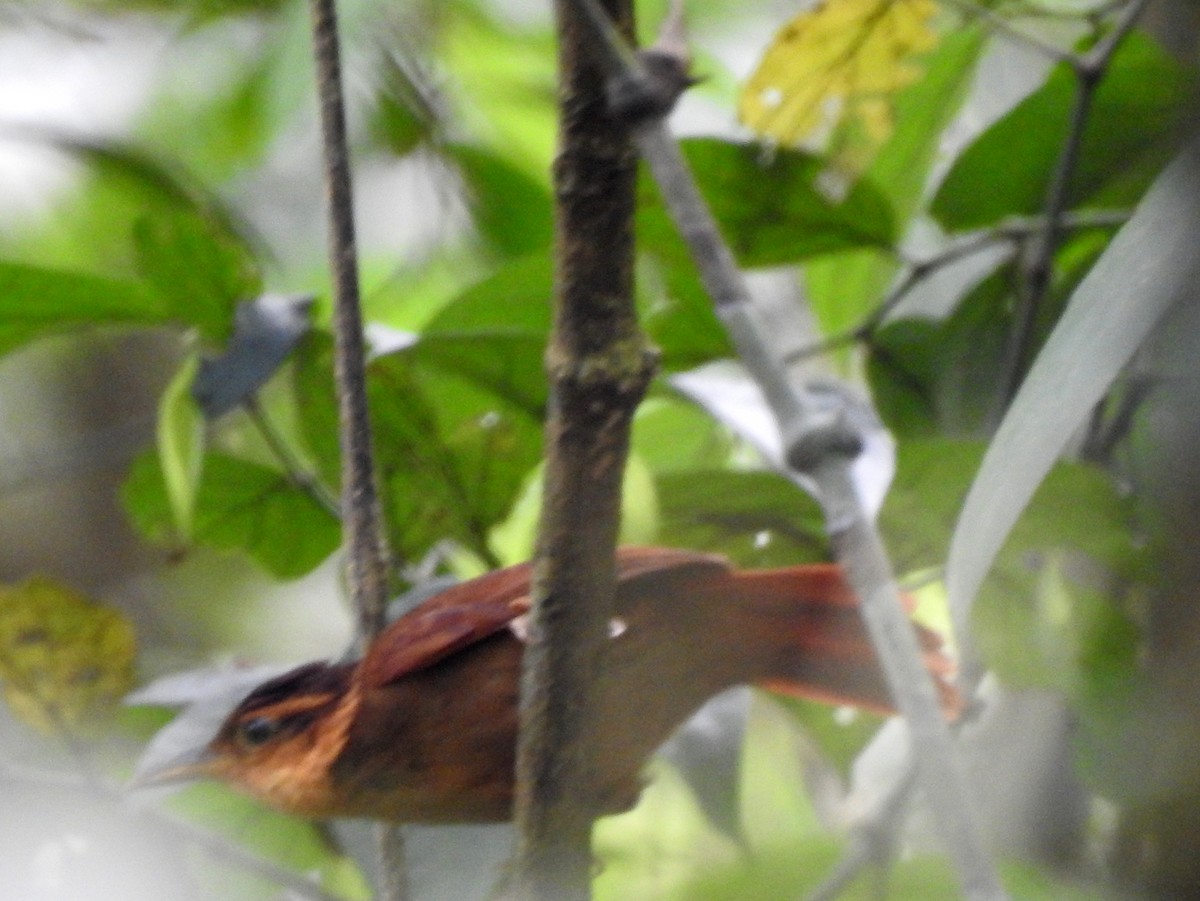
(424, 727)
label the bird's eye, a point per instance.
(258, 731)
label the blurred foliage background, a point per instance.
(892, 174)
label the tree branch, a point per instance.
(599, 366)
(364, 539)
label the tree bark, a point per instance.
(598, 365)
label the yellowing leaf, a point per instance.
(836, 64)
(64, 660)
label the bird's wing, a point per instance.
(474, 610)
(449, 621)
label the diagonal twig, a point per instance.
(302, 476)
(1002, 25)
(918, 270)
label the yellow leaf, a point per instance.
(64, 660)
(838, 64)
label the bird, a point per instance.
(423, 728)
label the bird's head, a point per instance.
(278, 744)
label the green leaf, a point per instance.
(1039, 621)
(757, 518)
(923, 112)
(679, 317)
(396, 126)
(772, 212)
(295, 844)
(37, 301)
(1049, 633)
(507, 76)
(402, 116)
(181, 445)
(1148, 266)
(943, 378)
(917, 517)
(947, 377)
(514, 539)
(452, 453)
(239, 506)
(1076, 508)
(202, 10)
(222, 104)
(494, 334)
(1133, 128)
(659, 848)
(201, 273)
(772, 209)
(512, 210)
(903, 372)
(840, 733)
(409, 296)
(92, 227)
(258, 510)
(455, 455)
(843, 288)
(775, 808)
(673, 435)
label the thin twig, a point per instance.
(360, 500)
(1097, 58)
(1014, 231)
(1089, 68)
(1040, 254)
(365, 541)
(822, 444)
(718, 269)
(827, 345)
(300, 475)
(917, 271)
(1001, 24)
(872, 838)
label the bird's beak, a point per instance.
(189, 764)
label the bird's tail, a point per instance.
(812, 638)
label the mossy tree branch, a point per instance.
(599, 365)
